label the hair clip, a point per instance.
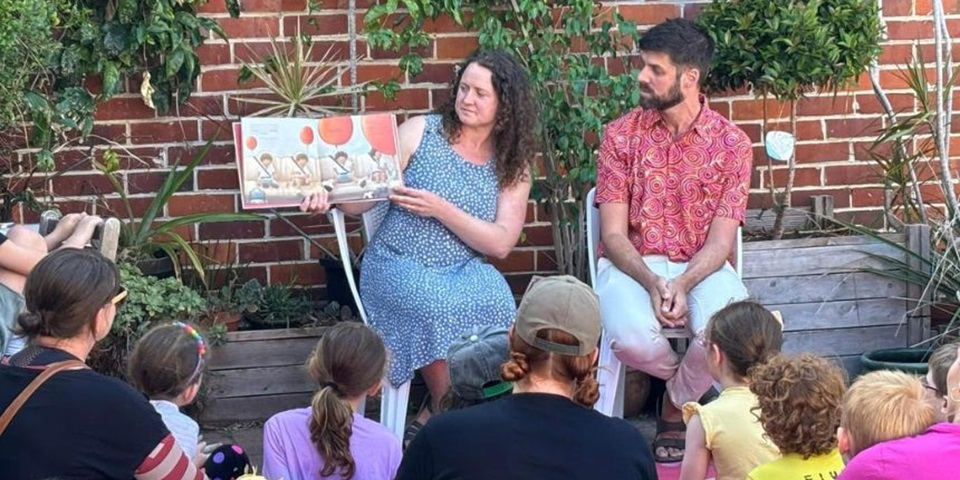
(201, 345)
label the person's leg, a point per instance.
(83, 232)
(716, 291)
(28, 249)
(629, 325)
(437, 377)
(65, 227)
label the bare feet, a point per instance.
(65, 227)
(83, 232)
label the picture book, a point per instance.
(281, 160)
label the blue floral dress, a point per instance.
(420, 284)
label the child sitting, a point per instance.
(167, 366)
(331, 439)
(474, 362)
(738, 338)
(799, 399)
(885, 426)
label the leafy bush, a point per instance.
(151, 299)
(26, 46)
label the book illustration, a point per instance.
(281, 160)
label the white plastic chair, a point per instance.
(612, 373)
(393, 403)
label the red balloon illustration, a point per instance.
(306, 135)
(378, 130)
(251, 143)
(336, 130)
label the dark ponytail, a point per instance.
(747, 333)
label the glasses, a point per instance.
(119, 298)
(923, 381)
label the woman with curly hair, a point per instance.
(738, 339)
(799, 406)
(424, 278)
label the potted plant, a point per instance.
(148, 240)
(786, 50)
(278, 306)
(229, 304)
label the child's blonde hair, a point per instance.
(882, 406)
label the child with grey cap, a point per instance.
(474, 362)
(545, 429)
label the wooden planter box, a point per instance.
(256, 374)
(829, 307)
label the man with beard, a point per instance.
(672, 184)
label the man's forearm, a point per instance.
(621, 252)
(708, 260)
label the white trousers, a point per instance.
(635, 335)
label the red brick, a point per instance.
(853, 127)
(251, 27)
(425, 52)
(272, 251)
(456, 48)
(438, 96)
(516, 261)
(649, 14)
(213, 53)
(546, 261)
(852, 174)
(115, 207)
(692, 11)
(212, 7)
(446, 24)
(825, 105)
(164, 132)
(442, 73)
(950, 7)
(218, 179)
(203, 106)
(867, 197)
(909, 29)
(330, 243)
(217, 155)
(900, 102)
(312, 224)
(258, 273)
(896, 8)
(180, 205)
(369, 73)
(519, 281)
(225, 80)
(540, 236)
(232, 230)
(720, 106)
(270, 6)
(896, 54)
(861, 150)
(297, 274)
(820, 152)
(407, 99)
(150, 182)
(86, 184)
(753, 109)
(804, 177)
(315, 25)
(334, 51)
(215, 130)
(124, 108)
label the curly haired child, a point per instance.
(799, 402)
(739, 338)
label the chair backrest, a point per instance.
(593, 233)
(593, 237)
(372, 219)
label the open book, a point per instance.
(281, 160)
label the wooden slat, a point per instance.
(838, 241)
(813, 260)
(259, 381)
(274, 334)
(844, 341)
(266, 353)
(843, 314)
(918, 240)
(244, 409)
(822, 288)
(761, 220)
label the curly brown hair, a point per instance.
(515, 138)
(799, 402)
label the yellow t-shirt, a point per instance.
(734, 436)
(793, 467)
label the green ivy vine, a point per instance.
(562, 44)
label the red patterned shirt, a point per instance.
(674, 188)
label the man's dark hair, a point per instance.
(684, 42)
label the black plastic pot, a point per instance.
(338, 289)
(907, 360)
(160, 266)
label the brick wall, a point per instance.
(832, 131)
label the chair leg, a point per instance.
(611, 377)
(393, 407)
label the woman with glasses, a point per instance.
(61, 419)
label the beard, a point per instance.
(672, 98)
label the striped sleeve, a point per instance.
(168, 462)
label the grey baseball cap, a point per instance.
(474, 362)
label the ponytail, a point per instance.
(331, 425)
(349, 360)
(747, 334)
(578, 369)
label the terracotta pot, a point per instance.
(635, 393)
(230, 320)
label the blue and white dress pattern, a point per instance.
(421, 286)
